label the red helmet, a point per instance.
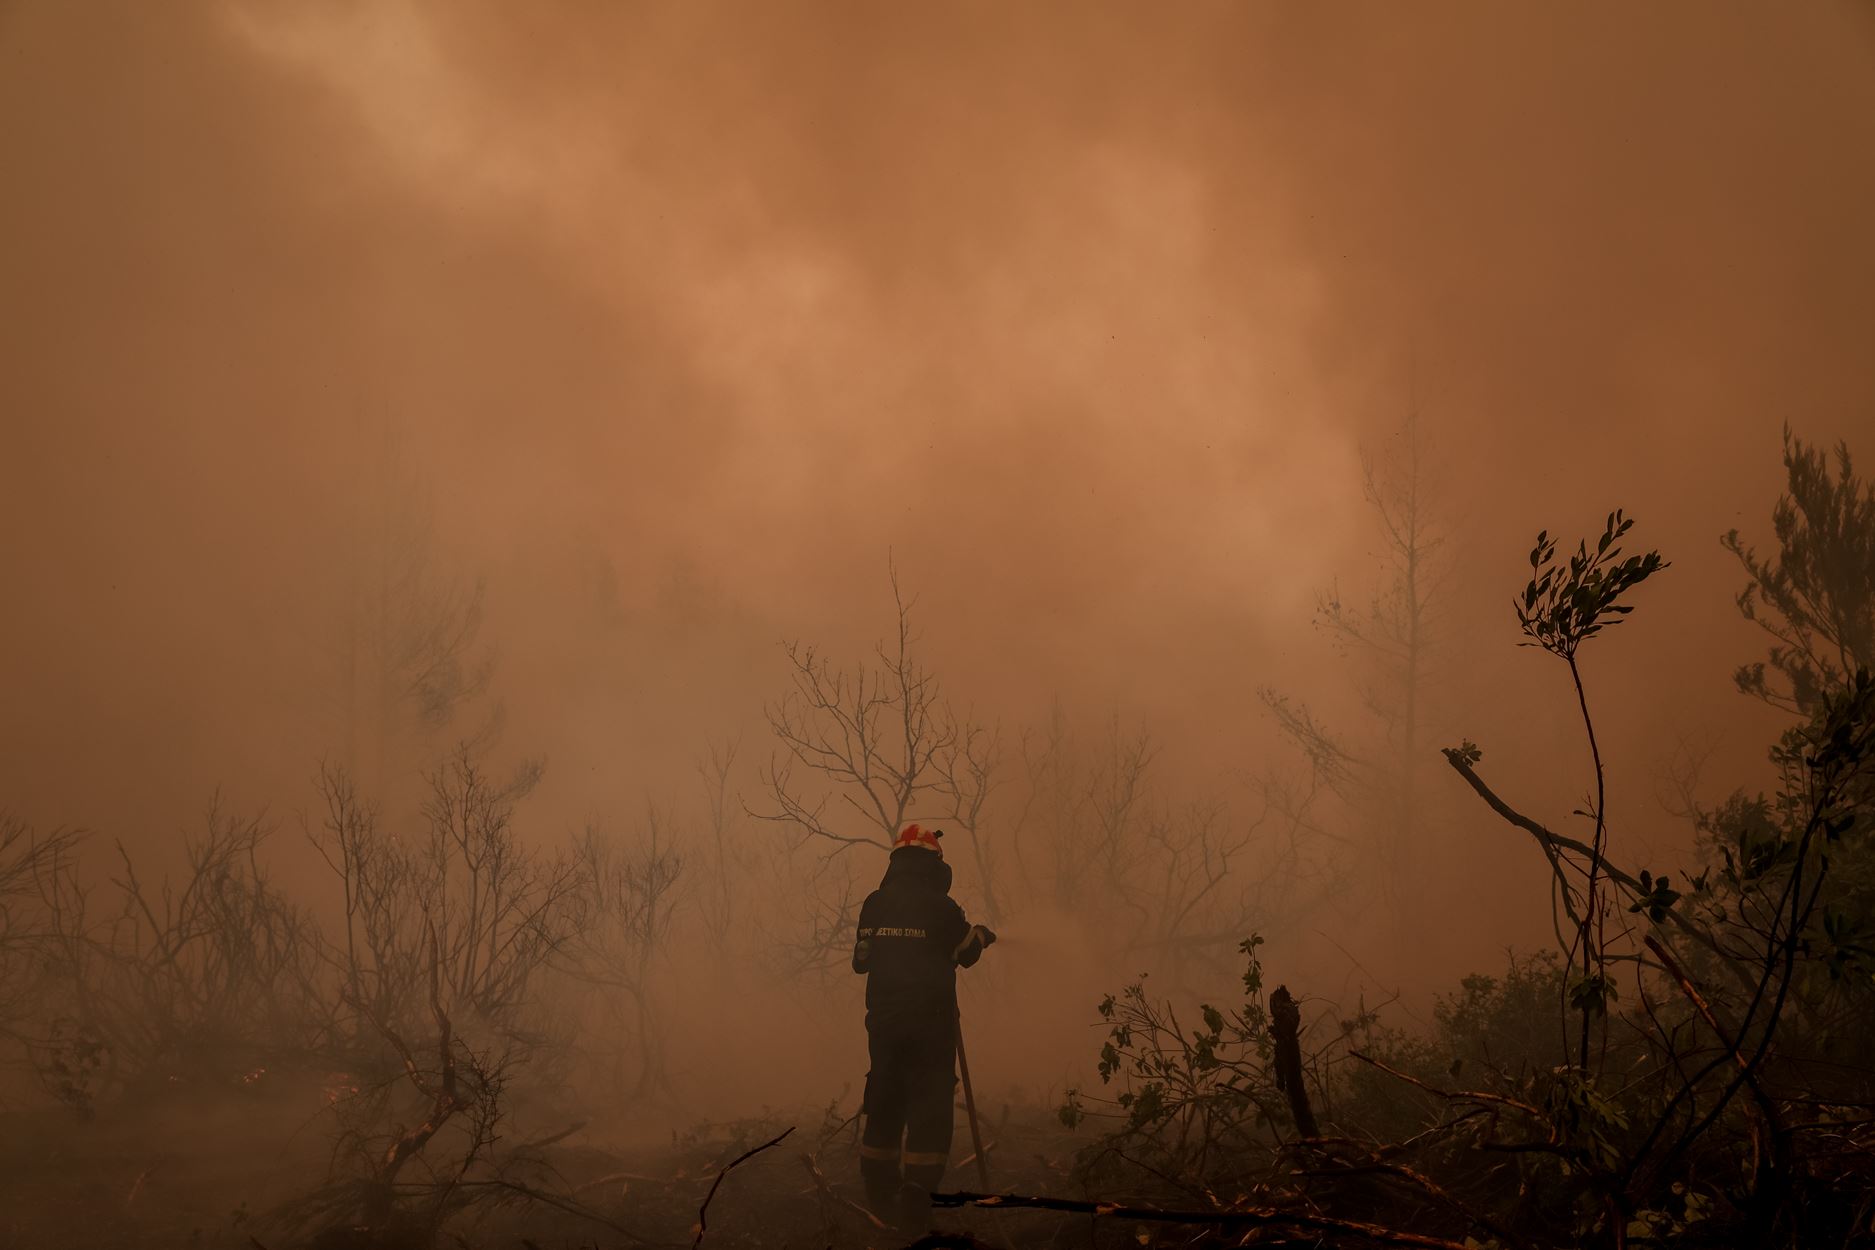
(919, 836)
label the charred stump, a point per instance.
(1285, 1023)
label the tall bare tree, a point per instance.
(468, 897)
(863, 750)
(877, 733)
(33, 869)
(1395, 632)
(716, 895)
(622, 917)
(409, 653)
(1175, 880)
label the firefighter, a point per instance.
(912, 938)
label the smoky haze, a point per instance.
(676, 327)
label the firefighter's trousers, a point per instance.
(909, 1095)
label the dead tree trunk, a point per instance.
(1285, 1022)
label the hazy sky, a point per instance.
(686, 316)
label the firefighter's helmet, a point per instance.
(920, 837)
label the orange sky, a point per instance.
(688, 316)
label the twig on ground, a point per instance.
(137, 1186)
(541, 1143)
(703, 1211)
(971, 1157)
(610, 1177)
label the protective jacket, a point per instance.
(912, 939)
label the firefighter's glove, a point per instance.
(976, 941)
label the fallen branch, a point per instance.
(703, 1211)
(541, 1143)
(143, 1176)
(1470, 1095)
(971, 1158)
(611, 1177)
(1426, 1184)
(1254, 1217)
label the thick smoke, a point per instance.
(674, 328)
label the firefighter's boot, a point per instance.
(914, 1198)
(882, 1179)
